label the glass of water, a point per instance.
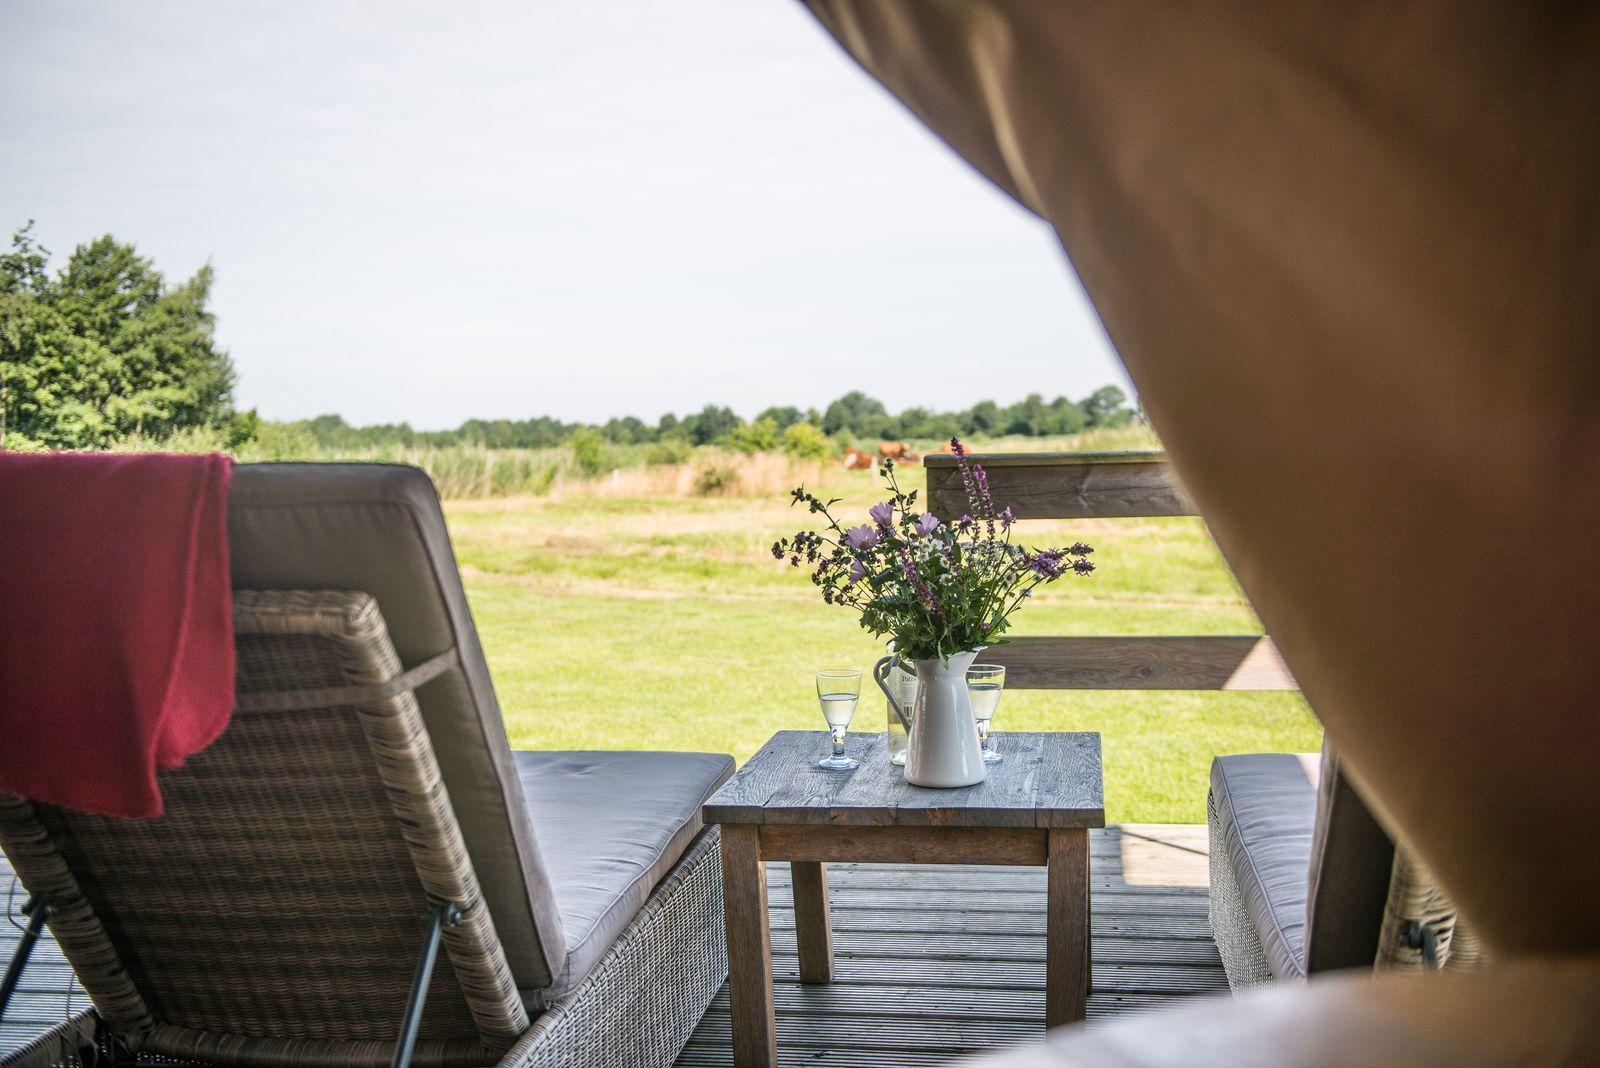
(838, 690)
(984, 683)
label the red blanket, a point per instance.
(116, 623)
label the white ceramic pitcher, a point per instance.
(943, 748)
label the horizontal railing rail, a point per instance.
(1200, 662)
(1104, 485)
(1063, 485)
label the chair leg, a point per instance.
(439, 917)
(36, 911)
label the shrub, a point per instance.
(672, 449)
(714, 478)
(808, 442)
(759, 436)
(281, 441)
(589, 451)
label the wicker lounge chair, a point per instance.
(363, 806)
(1304, 880)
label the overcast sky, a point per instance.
(583, 208)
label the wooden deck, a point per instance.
(931, 962)
(935, 962)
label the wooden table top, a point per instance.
(1048, 779)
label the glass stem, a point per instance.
(838, 742)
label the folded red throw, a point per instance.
(116, 623)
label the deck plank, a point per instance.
(931, 963)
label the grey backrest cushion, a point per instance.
(1351, 862)
(378, 528)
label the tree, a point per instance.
(782, 418)
(107, 350)
(1106, 407)
(1066, 417)
(857, 413)
(628, 430)
(983, 418)
(1030, 417)
(710, 424)
(914, 423)
(331, 431)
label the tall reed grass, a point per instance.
(709, 473)
(464, 472)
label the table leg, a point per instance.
(813, 927)
(1066, 983)
(744, 885)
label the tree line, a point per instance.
(105, 350)
(854, 416)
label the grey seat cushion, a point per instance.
(378, 528)
(610, 826)
(1267, 806)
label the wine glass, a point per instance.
(984, 683)
(838, 690)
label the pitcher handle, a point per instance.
(880, 672)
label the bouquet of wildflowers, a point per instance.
(935, 588)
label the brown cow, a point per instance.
(856, 460)
(898, 450)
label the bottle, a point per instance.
(903, 684)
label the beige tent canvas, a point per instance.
(1370, 235)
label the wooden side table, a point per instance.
(1036, 808)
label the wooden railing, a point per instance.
(1104, 485)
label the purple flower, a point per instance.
(857, 572)
(863, 537)
(1045, 564)
(965, 468)
(924, 593)
(882, 513)
(985, 502)
(976, 483)
(926, 525)
(1051, 564)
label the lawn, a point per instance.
(662, 622)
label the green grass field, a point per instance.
(664, 623)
